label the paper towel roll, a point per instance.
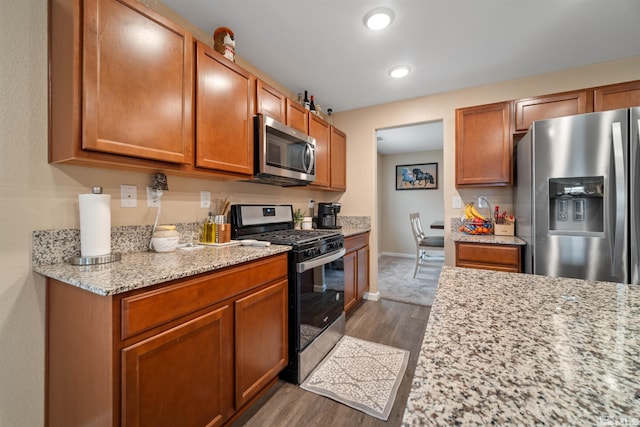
(95, 224)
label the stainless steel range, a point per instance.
(316, 281)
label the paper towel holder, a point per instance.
(96, 259)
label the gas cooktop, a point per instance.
(292, 237)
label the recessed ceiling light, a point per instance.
(399, 71)
(378, 19)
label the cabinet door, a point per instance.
(137, 86)
(297, 116)
(338, 154)
(613, 97)
(484, 145)
(181, 377)
(270, 102)
(363, 272)
(224, 114)
(320, 130)
(350, 280)
(551, 106)
(261, 339)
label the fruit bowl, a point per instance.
(476, 226)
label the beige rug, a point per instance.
(360, 374)
(396, 282)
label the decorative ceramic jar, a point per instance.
(165, 238)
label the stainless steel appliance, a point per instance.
(316, 281)
(328, 215)
(576, 198)
(283, 156)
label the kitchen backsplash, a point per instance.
(55, 246)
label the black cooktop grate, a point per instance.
(292, 237)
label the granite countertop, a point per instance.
(138, 267)
(458, 236)
(141, 269)
(348, 231)
(517, 349)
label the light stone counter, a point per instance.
(515, 349)
(140, 269)
(352, 231)
(458, 236)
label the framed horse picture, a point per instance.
(419, 176)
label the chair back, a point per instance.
(416, 227)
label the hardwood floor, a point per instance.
(386, 322)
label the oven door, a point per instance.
(320, 295)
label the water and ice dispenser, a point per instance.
(576, 205)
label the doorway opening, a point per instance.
(420, 146)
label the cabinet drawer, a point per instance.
(147, 310)
(356, 242)
(490, 256)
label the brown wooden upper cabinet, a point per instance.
(484, 145)
(613, 97)
(338, 154)
(225, 93)
(121, 79)
(321, 131)
(297, 116)
(270, 102)
(550, 106)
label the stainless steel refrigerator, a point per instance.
(577, 200)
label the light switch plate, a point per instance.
(457, 202)
(205, 199)
(128, 196)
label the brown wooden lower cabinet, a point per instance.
(356, 269)
(182, 376)
(191, 352)
(488, 256)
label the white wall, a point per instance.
(394, 229)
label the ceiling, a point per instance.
(322, 46)
(410, 139)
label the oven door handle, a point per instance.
(317, 262)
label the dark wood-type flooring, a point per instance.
(385, 322)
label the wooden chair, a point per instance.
(423, 242)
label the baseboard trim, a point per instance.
(397, 255)
(372, 296)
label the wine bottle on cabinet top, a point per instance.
(306, 101)
(312, 105)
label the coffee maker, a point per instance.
(328, 215)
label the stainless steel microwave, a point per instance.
(283, 156)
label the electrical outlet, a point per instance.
(128, 196)
(153, 197)
(311, 203)
(205, 199)
(457, 202)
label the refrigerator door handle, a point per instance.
(621, 196)
(634, 153)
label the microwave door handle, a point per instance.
(317, 262)
(620, 195)
(310, 154)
